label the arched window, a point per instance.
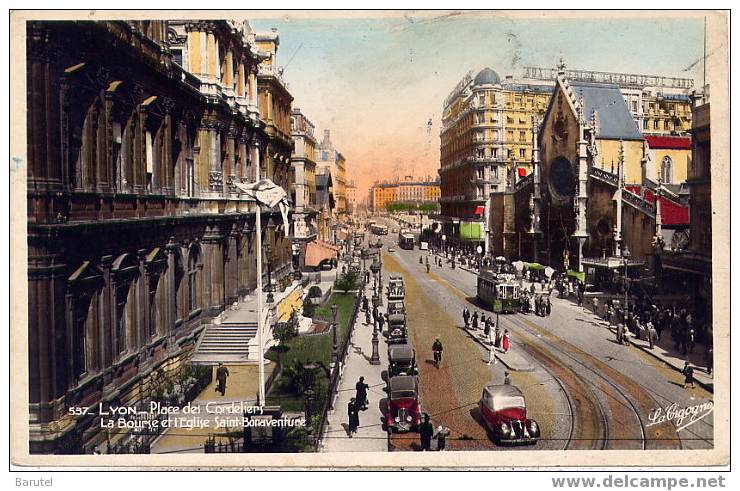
(666, 170)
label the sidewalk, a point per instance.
(370, 436)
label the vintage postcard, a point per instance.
(356, 239)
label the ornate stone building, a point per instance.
(332, 160)
(304, 183)
(136, 234)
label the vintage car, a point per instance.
(396, 307)
(397, 332)
(403, 411)
(401, 360)
(396, 289)
(504, 413)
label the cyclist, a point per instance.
(437, 349)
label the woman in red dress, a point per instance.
(505, 341)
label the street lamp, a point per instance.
(268, 253)
(335, 355)
(625, 260)
(308, 384)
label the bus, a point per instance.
(406, 240)
(379, 229)
(498, 292)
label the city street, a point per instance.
(586, 391)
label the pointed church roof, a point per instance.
(613, 114)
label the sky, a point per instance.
(375, 82)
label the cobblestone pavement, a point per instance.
(450, 394)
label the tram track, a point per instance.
(640, 402)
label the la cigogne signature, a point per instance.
(683, 417)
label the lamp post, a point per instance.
(444, 240)
(625, 259)
(308, 383)
(335, 355)
(268, 253)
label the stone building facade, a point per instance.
(136, 235)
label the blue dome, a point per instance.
(487, 76)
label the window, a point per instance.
(634, 106)
(177, 55)
(666, 170)
(481, 172)
(665, 124)
(655, 124)
(644, 124)
(522, 153)
(522, 136)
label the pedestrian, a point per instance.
(361, 394)
(709, 355)
(491, 349)
(688, 373)
(487, 327)
(375, 314)
(221, 374)
(620, 333)
(596, 307)
(497, 338)
(364, 303)
(507, 378)
(381, 321)
(367, 317)
(505, 342)
(442, 432)
(353, 416)
(475, 320)
(652, 334)
(466, 316)
(426, 431)
(548, 306)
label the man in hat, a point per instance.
(475, 320)
(466, 316)
(353, 416)
(426, 431)
(221, 373)
(361, 395)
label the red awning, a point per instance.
(479, 210)
(316, 252)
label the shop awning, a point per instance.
(579, 275)
(471, 231)
(535, 266)
(316, 252)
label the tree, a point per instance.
(347, 282)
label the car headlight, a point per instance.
(397, 419)
(409, 419)
(504, 428)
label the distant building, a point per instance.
(351, 190)
(408, 191)
(329, 158)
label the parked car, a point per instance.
(396, 289)
(504, 413)
(397, 332)
(391, 249)
(396, 307)
(403, 410)
(401, 360)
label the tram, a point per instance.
(499, 292)
(406, 240)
